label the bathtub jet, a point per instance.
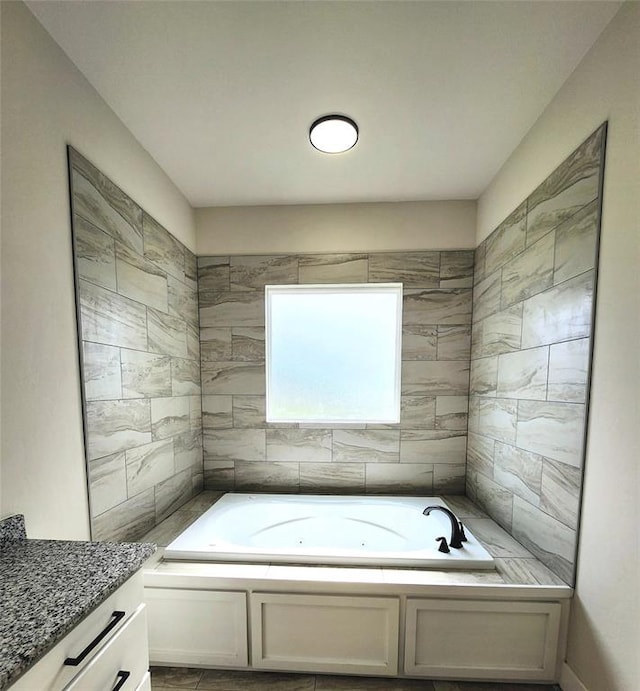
(332, 530)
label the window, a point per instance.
(333, 353)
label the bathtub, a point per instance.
(351, 531)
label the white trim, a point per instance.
(569, 680)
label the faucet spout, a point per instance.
(457, 533)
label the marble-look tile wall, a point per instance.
(532, 324)
(137, 303)
(424, 453)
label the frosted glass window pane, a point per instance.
(333, 353)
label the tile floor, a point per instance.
(172, 678)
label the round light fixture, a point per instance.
(333, 134)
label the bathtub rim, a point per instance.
(426, 560)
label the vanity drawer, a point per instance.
(51, 673)
(121, 663)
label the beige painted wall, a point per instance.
(47, 103)
(604, 636)
(384, 226)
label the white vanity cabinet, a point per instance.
(109, 649)
(297, 619)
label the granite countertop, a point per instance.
(48, 586)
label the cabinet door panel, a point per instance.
(321, 633)
(197, 627)
(482, 640)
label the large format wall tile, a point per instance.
(215, 344)
(145, 375)
(530, 272)
(454, 343)
(412, 269)
(95, 254)
(456, 269)
(333, 268)
(559, 314)
(523, 374)
(116, 425)
(185, 377)
(233, 378)
(451, 306)
(480, 453)
(111, 319)
(108, 481)
(530, 361)
(167, 335)
(138, 313)
(272, 477)
(170, 416)
(101, 372)
(432, 446)
(394, 478)
(140, 280)
(568, 189)
(498, 333)
(507, 240)
(436, 348)
(552, 542)
(417, 412)
(423, 378)
(298, 445)
(161, 248)
(555, 430)
(172, 493)
(148, 465)
(126, 521)
(568, 371)
(366, 446)
(519, 471)
(235, 444)
(331, 477)
(486, 296)
(560, 491)
(253, 273)
(484, 376)
(214, 275)
(419, 342)
(576, 244)
(96, 199)
(182, 300)
(498, 418)
(233, 309)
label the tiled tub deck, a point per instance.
(254, 592)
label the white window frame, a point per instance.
(363, 288)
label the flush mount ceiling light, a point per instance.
(333, 134)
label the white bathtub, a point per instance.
(283, 528)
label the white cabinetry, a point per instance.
(323, 633)
(197, 627)
(481, 640)
(109, 647)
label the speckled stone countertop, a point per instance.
(48, 586)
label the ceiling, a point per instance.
(222, 94)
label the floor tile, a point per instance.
(228, 680)
(345, 683)
(489, 686)
(175, 678)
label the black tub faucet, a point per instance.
(457, 531)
